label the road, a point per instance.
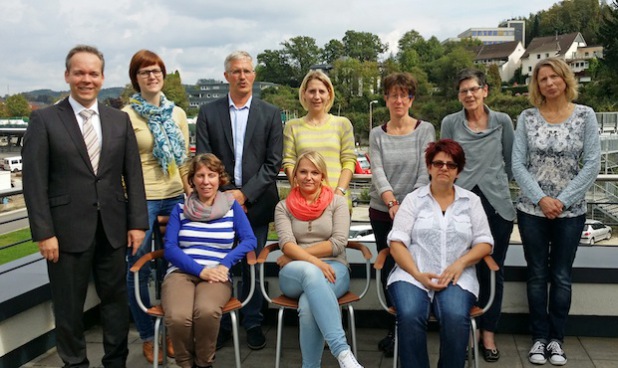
(7, 227)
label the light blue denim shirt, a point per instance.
(239, 117)
(546, 160)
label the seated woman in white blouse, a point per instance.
(439, 233)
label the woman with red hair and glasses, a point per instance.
(439, 233)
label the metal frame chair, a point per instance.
(474, 312)
(283, 302)
(156, 311)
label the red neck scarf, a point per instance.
(298, 206)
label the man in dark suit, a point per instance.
(247, 135)
(84, 192)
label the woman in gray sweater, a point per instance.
(487, 139)
(397, 151)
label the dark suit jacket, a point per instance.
(64, 196)
(262, 152)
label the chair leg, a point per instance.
(279, 333)
(157, 326)
(396, 350)
(164, 343)
(352, 324)
(474, 343)
(234, 318)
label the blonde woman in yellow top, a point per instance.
(162, 135)
(332, 136)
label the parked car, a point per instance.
(362, 233)
(595, 231)
(11, 163)
(363, 166)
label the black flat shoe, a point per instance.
(490, 355)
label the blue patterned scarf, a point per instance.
(169, 144)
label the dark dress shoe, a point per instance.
(490, 355)
(255, 338)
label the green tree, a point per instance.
(493, 78)
(332, 51)
(4, 112)
(273, 67)
(17, 106)
(289, 65)
(607, 36)
(175, 91)
(444, 71)
(363, 46)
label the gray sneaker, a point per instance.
(537, 353)
(556, 354)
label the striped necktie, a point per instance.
(91, 139)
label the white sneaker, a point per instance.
(537, 353)
(556, 354)
(347, 360)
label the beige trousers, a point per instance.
(193, 309)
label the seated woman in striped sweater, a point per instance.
(199, 246)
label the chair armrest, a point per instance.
(359, 246)
(261, 259)
(251, 261)
(266, 251)
(146, 258)
(491, 264)
(367, 255)
(493, 267)
(381, 258)
(135, 269)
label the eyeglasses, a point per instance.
(238, 72)
(475, 89)
(440, 164)
(400, 97)
(146, 73)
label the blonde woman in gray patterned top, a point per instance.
(551, 140)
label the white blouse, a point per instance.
(436, 240)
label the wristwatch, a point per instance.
(392, 204)
(342, 190)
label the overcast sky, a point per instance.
(194, 36)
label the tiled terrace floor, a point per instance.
(582, 352)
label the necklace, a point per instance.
(317, 123)
(477, 126)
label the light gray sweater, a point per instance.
(398, 163)
(333, 225)
(488, 157)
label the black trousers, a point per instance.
(69, 279)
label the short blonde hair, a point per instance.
(317, 160)
(563, 70)
(318, 75)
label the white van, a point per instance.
(11, 163)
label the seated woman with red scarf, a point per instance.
(313, 226)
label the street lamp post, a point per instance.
(371, 114)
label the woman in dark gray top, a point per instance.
(397, 151)
(487, 139)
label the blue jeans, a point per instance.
(549, 247)
(451, 307)
(318, 310)
(252, 312)
(501, 230)
(143, 322)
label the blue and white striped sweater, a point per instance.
(207, 244)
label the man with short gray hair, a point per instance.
(247, 135)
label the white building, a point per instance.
(506, 55)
